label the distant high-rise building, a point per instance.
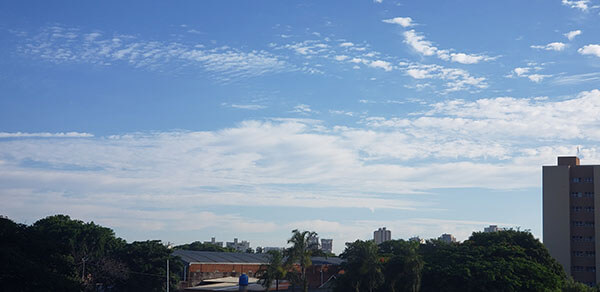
(239, 246)
(214, 242)
(382, 235)
(569, 228)
(313, 242)
(416, 239)
(449, 238)
(327, 245)
(493, 228)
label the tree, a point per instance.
(498, 261)
(403, 265)
(362, 267)
(146, 264)
(274, 271)
(32, 261)
(92, 247)
(572, 286)
(300, 252)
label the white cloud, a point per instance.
(556, 46)
(46, 135)
(246, 106)
(378, 1)
(510, 118)
(223, 63)
(346, 44)
(537, 78)
(341, 57)
(525, 72)
(303, 109)
(455, 79)
(577, 78)
(387, 66)
(468, 59)
(572, 34)
(579, 4)
(308, 47)
(157, 180)
(521, 71)
(418, 43)
(402, 21)
(340, 112)
(590, 49)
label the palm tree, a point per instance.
(274, 271)
(303, 244)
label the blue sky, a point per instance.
(185, 120)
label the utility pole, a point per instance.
(167, 274)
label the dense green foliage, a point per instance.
(362, 266)
(499, 261)
(60, 254)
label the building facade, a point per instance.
(382, 235)
(493, 228)
(199, 266)
(239, 245)
(327, 245)
(569, 229)
(213, 241)
(448, 238)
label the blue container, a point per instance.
(243, 280)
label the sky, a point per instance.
(186, 120)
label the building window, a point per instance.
(576, 209)
(589, 209)
(583, 223)
(590, 269)
(576, 180)
(588, 179)
(576, 194)
(578, 268)
(588, 194)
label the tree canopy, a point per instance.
(58, 253)
(498, 261)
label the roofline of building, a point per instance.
(224, 263)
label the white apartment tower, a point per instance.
(382, 235)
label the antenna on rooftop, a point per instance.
(578, 151)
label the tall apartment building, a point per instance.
(493, 228)
(569, 217)
(213, 241)
(313, 242)
(239, 246)
(448, 238)
(382, 235)
(327, 245)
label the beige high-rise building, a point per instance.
(569, 217)
(382, 235)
